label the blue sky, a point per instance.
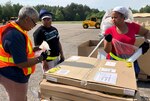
(98, 4)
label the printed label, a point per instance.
(109, 63)
(63, 71)
(105, 77)
(129, 92)
(107, 70)
(51, 78)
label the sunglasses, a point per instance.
(33, 22)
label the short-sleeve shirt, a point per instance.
(128, 37)
(51, 36)
(14, 43)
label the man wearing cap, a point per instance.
(120, 38)
(50, 34)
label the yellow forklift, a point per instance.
(92, 22)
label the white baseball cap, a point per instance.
(46, 16)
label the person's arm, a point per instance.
(36, 48)
(14, 44)
(45, 65)
(62, 58)
(33, 61)
(107, 46)
(144, 32)
(107, 41)
(29, 62)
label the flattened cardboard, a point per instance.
(76, 69)
(53, 98)
(81, 73)
(72, 93)
(143, 77)
(125, 79)
(143, 60)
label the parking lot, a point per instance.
(71, 35)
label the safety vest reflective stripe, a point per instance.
(6, 59)
(30, 48)
(29, 71)
(18, 27)
(116, 57)
(51, 58)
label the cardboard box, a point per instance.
(71, 93)
(101, 75)
(87, 47)
(143, 60)
(53, 98)
(143, 77)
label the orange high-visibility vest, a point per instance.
(6, 58)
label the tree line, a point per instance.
(72, 12)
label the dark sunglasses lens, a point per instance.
(33, 21)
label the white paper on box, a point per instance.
(63, 71)
(109, 63)
(105, 77)
(74, 58)
(51, 78)
(107, 70)
(129, 92)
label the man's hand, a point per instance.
(36, 48)
(45, 66)
(145, 47)
(44, 55)
(61, 60)
(108, 37)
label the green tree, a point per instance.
(71, 12)
(16, 8)
(59, 15)
(133, 10)
(1, 13)
(77, 17)
(8, 10)
(145, 9)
